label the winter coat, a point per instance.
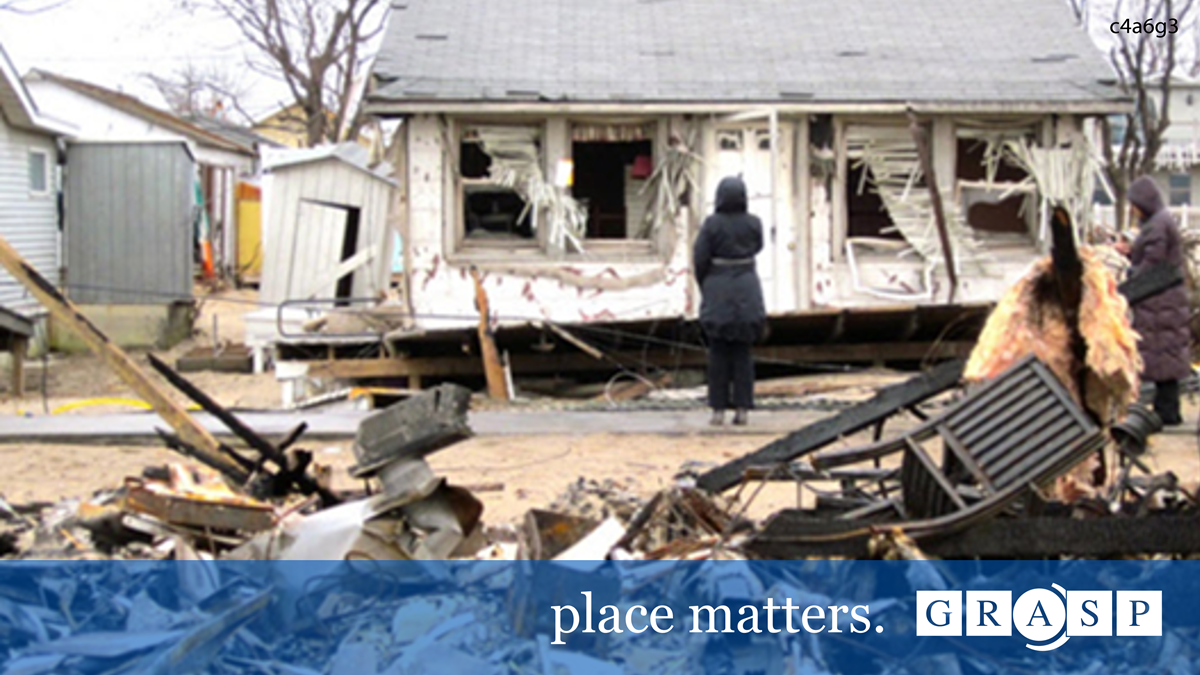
(1161, 320)
(731, 306)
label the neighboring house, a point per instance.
(29, 188)
(285, 127)
(1179, 158)
(1178, 163)
(106, 116)
(537, 136)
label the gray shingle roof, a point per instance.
(850, 51)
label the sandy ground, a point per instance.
(532, 470)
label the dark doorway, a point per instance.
(345, 285)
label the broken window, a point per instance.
(986, 178)
(865, 212)
(610, 185)
(493, 208)
(884, 182)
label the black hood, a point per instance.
(731, 196)
(1145, 194)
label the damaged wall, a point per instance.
(605, 282)
(816, 255)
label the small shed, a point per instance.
(129, 238)
(325, 225)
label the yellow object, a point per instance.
(94, 402)
(249, 245)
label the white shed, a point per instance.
(325, 225)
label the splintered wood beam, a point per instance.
(61, 309)
(493, 369)
(302, 481)
(887, 402)
(935, 197)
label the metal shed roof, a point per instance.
(983, 54)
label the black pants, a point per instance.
(1166, 402)
(730, 370)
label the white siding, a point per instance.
(28, 222)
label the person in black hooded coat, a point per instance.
(731, 308)
(1160, 320)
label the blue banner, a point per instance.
(803, 617)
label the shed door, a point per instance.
(321, 231)
(746, 152)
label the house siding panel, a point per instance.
(129, 223)
(28, 222)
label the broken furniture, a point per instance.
(889, 400)
(1008, 439)
(1018, 431)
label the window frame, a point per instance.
(612, 247)
(464, 245)
(47, 173)
(1172, 189)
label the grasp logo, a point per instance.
(1046, 618)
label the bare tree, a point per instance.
(195, 91)
(30, 6)
(1148, 50)
(318, 48)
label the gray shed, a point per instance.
(129, 233)
(325, 225)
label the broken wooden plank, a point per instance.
(580, 344)
(493, 369)
(229, 359)
(20, 350)
(859, 417)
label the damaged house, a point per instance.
(570, 152)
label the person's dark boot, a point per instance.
(717, 419)
(741, 418)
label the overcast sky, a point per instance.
(114, 42)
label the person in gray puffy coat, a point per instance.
(1161, 320)
(732, 312)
